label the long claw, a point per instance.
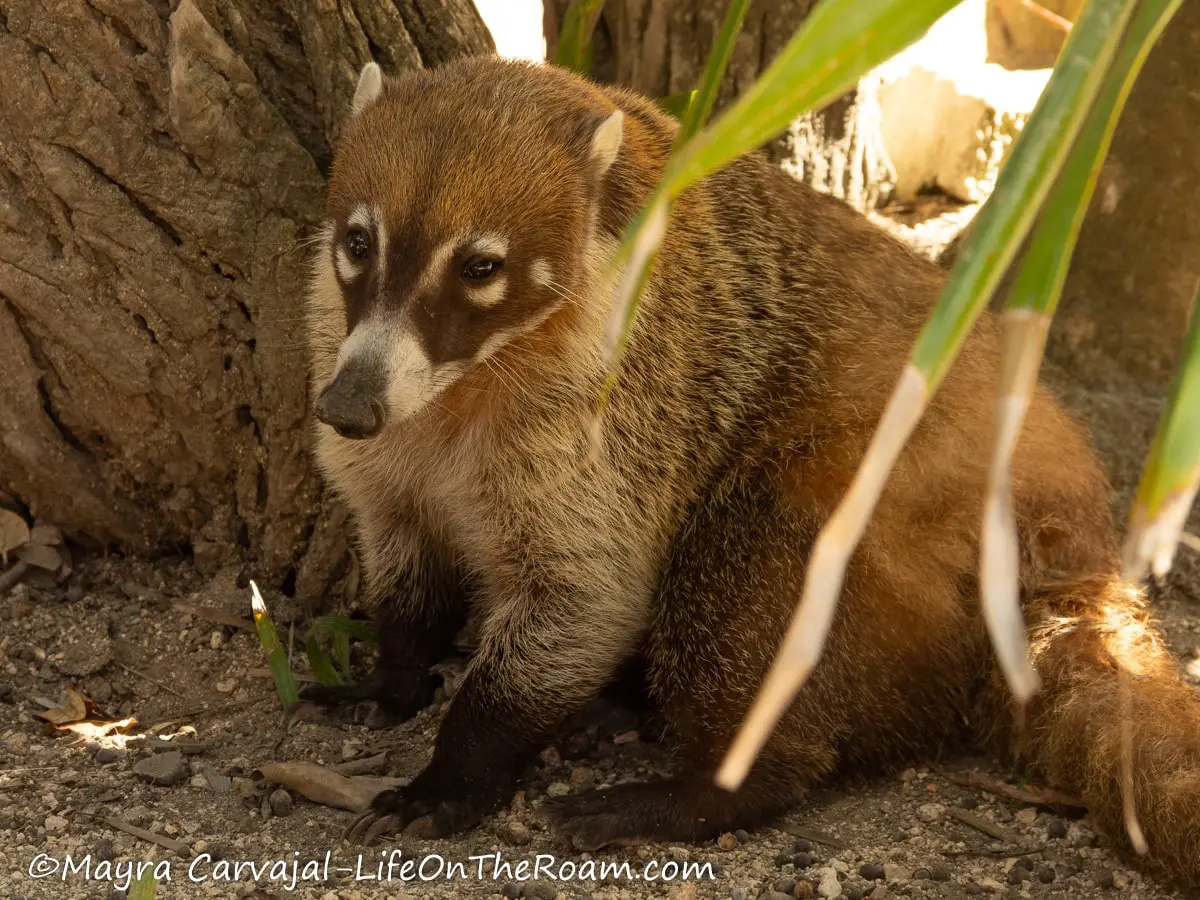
(356, 829)
(383, 825)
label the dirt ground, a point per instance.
(141, 641)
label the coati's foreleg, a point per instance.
(424, 603)
(894, 676)
(544, 650)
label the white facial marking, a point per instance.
(346, 270)
(541, 272)
(498, 339)
(360, 217)
(490, 245)
(490, 294)
(381, 244)
(410, 373)
(437, 265)
(370, 86)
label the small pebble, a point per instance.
(972, 890)
(104, 756)
(970, 802)
(226, 686)
(852, 892)
(939, 873)
(583, 778)
(1045, 874)
(558, 789)
(739, 893)
(166, 769)
(801, 860)
(829, 887)
(551, 758)
(930, 812)
(727, 841)
(511, 890)
(774, 895)
(1056, 828)
(804, 890)
(281, 802)
(216, 640)
(742, 835)
(785, 885)
(1017, 874)
(514, 833)
(921, 875)
(1025, 863)
(871, 871)
(1027, 816)
(626, 737)
(802, 846)
(540, 890)
(55, 824)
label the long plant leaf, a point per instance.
(277, 661)
(1002, 226)
(575, 36)
(1026, 322)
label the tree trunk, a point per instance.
(660, 48)
(160, 164)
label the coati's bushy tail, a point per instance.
(1084, 636)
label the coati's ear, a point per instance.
(606, 141)
(370, 83)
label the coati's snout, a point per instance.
(352, 403)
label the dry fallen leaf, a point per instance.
(95, 730)
(73, 710)
(323, 785)
(13, 532)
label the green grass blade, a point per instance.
(838, 43)
(676, 104)
(359, 629)
(285, 683)
(1026, 322)
(701, 104)
(575, 38)
(1043, 272)
(144, 888)
(1023, 184)
(1172, 473)
(318, 660)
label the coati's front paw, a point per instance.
(397, 696)
(631, 813)
(444, 804)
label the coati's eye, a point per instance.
(358, 244)
(481, 268)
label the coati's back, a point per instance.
(460, 314)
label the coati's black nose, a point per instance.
(350, 406)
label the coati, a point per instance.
(459, 308)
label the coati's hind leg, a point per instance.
(424, 606)
(880, 692)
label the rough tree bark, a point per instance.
(160, 163)
(660, 47)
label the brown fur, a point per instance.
(772, 333)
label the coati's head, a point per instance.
(461, 204)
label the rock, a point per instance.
(165, 769)
(739, 893)
(1017, 874)
(972, 890)
(550, 758)
(802, 846)
(930, 812)
(558, 789)
(281, 802)
(1056, 828)
(970, 802)
(1027, 816)
(514, 833)
(1078, 836)
(838, 866)
(583, 778)
(1120, 880)
(991, 885)
(774, 895)
(785, 885)
(893, 872)
(626, 737)
(801, 860)
(511, 890)
(104, 756)
(939, 873)
(216, 640)
(921, 874)
(742, 835)
(871, 872)
(852, 892)
(226, 686)
(55, 824)
(804, 890)
(727, 841)
(1045, 874)
(828, 886)
(540, 890)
